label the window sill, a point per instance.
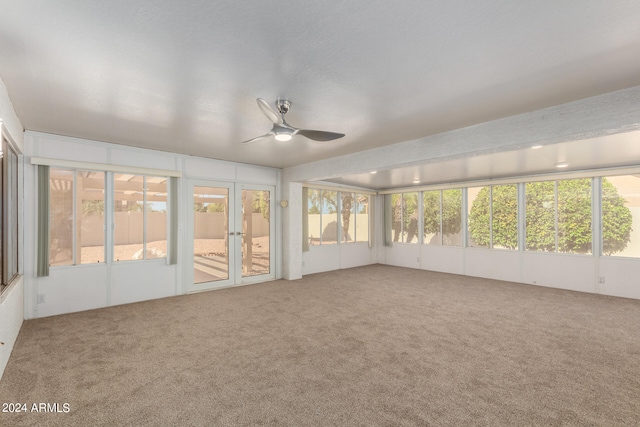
(6, 290)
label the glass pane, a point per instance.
(396, 213)
(540, 216)
(60, 217)
(12, 254)
(504, 216)
(479, 214)
(431, 207)
(210, 234)
(362, 218)
(90, 228)
(621, 216)
(314, 206)
(156, 188)
(128, 217)
(255, 232)
(410, 217)
(329, 217)
(348, 217)
(574, 216)
(452, 217)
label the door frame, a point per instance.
(235, 236)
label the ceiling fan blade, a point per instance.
(268, 111)
(319, 135)
(258, 138)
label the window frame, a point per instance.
(109, 217)
(74, 229)
(319, 204)
(10, 212)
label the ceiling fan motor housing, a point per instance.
(283, 106)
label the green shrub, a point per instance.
(573, 217)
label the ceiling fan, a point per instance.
(282, 130)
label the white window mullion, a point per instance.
(74, 221)
(555, 218)
(491, 217)
(441, 215)
(596, 217)
(109, 209)
(321, 204)
(339, 219)
(465, 217)
(144, 217)
(522, 220)
(354, 212)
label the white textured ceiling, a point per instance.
(182, 76)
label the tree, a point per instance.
(570, 212)
(616, 220)
(405, 215)
(503, 211)
(451, 212)
(347, 203)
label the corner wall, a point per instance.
(11, 305)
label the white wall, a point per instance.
(11, 316)
(11, 302)
(564, 271)
(334, 257)
(83, 287)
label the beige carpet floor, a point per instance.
(368, 346)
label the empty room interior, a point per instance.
(303, 213)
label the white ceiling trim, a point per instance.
(72, 164)
(593, 173)
(338, 187)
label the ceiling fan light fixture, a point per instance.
(283, 136)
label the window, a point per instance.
(76, 217)
(540, 216)
(362, 218)
(9, 231)
(504, 216)
(329, 219)
(314, 207)
(354, 212)
(442, 217)
(404, 207)
(347, 216)
(140, 217)
(77, 221)
(621, 216)
(323, 217)
(493, 216)
(558, 216)
(479, 214)
(334, 213)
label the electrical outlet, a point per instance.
(418, 259)
(40, 298)
(601, 280)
